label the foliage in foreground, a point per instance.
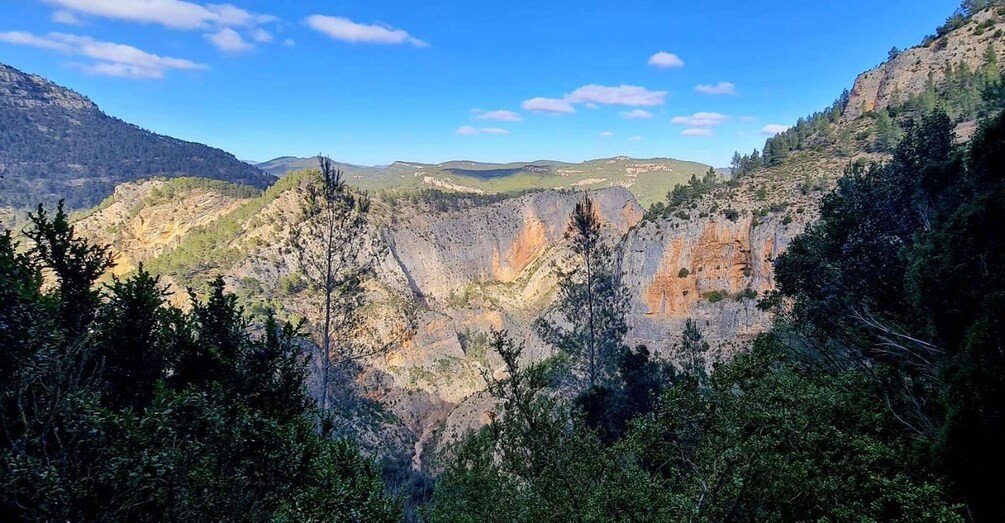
(762, 441)
(900, 278)
(116, 406)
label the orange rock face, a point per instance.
(719, 258)
(526, 248)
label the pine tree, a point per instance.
(591, 302)
(887, 132)
(336, 253)
(693, 352)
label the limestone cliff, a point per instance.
(908, 73)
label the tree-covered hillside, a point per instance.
(55, 144)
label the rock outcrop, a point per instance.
(908, 73)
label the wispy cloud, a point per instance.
(637, 114)
(697, 131)
(111, 59)
(773, 129)
(636, 138)
(620, 95)
(548, 105)
(289, 42)
(501, 115)
(229, 41)
(665, 60)
(261, 35)
(174, 14)
(606, 134)
(719, 88)
(468, 130)
(63, 16)
(704, 120)
(593, 95)
(344, 29)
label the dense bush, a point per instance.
(116, 406)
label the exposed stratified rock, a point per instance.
(442, 254)
(141, 226)
(907, 74)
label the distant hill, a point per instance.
(648, 179)
(56, 143)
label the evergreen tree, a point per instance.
(591, 303)
(887, 131)
(336, 253)
(896, 280)
(694, 350)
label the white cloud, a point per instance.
(637, 114)
(606, 134)
(261, 35)
(66, 17)
(467, 130)
(174, 14)
(719, 88)
(636, 138)
(346, 30)
(773, 129)
(620, 95)
(594, 95)
(748, 119)
(700, 120)
(665, 60)
(289, 42)
(696, 131)
(501, 115)
(111, 59)
(548, 105)
(121, 70)
(229, 41)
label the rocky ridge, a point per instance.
(908, 73)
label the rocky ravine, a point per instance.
(489, 267)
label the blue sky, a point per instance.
(374, 81)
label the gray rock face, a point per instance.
(442, 254)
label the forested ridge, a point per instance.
(55, 144)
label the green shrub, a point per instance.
(683, 272)
(715, 296)
(745, 294)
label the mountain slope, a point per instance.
(58, 144)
